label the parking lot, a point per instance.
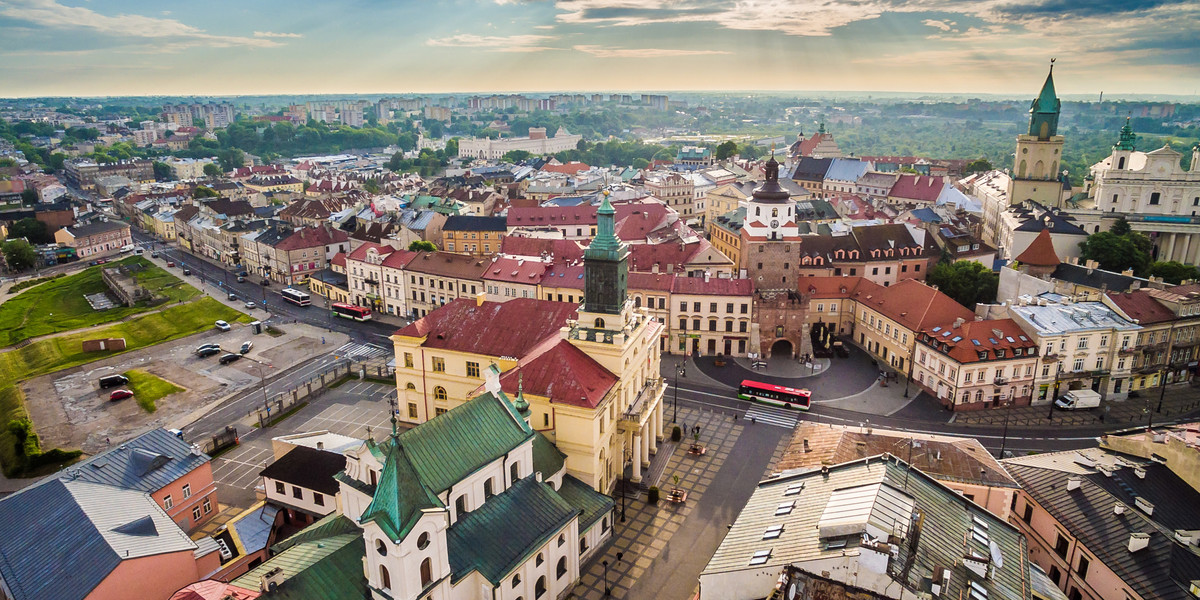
(350, 410)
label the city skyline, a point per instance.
(59, 48)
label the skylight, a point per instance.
(937, 329)
(1010, 340)
(977, 591)
(785, 508)
(762, 556)
(976, 342)
(772, 532)
(957, 338)
(793, 489)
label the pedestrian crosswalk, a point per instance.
(773, 415)
(354, 351)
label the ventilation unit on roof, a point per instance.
(1144, 505)
(1074, 483)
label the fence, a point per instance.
(317, 385)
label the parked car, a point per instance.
(222, 325)
(246, 346)
(187, 271)
(101, 261)
(120, 395)
(251, 305)
(170, 263)
(228, 358)
(232, 296)
(154, 254)
(207, 352)
(113, 381)
(139, 251)
(206, 346)
(93, 263)
(241, 279)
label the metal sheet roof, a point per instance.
(146, 463)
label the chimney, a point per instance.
(1074, 483)
(1138, 541)
(479, 298)
(706, 276)
(320, 445)
(1140, 472)
(1118, 509)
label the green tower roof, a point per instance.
(1127, 139)
(605, 246)
(1047, 101)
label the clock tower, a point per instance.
(1035, 175)
(605, 267)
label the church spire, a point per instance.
(1127, 139)
(1043, 112)
(605, 265)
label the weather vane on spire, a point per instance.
(393, 409)
(1052, 63)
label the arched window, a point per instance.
(1121, 163)
(385, 578)
(562, 538)
(381, 547)
(979, 395)
(514, 472)
(516, 580)
(539, 589)
(439, 393)
(410, 386)
(637, 301)
(1021, 170)
(426, 572)
(599, 323)
(966, 397)
(539, 560)
(561, 569)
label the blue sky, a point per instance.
(211, 47)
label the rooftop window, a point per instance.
(772, 532)
(762, 556)
(793, 489)
(785, 508)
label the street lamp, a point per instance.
(608, 588)
(263, 384)
(680, 369)
(622, 480)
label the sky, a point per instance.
(228, 47)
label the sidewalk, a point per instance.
(1177, 400)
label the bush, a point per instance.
(28, 283)
(676, 434)
(652, 494)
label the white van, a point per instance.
(1078, 399)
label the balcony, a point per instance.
(645, 399)
(1128, 350)
(370, 280)
(590, 334)
(1000, 380)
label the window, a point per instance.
(561, 569)
(712, 307)
(1083, 343)
(439, 393)
(696, 324)
(196, 513)
(760, 558)
(297, 492)
(423, 541)
(539, 588)
(683, 307)
(207, 506)
(279, 489)
(487, 489)
(785, 508)
(408, 360)
(562, 539)
(1154, 198)
(412, 410)
(729, 307)
(318, 499)
(473, 369)
(712, 325)
(742, 326)
(682, 324)
(1061, 546)
(1055, 574)
(773, 532)
(745, 308)
(168, 502)
(187, 490)
(1082, 568)
(696, 307)
(1078, 364)
(460, 505)
(439, 365)
(514, 472)
(385, 578)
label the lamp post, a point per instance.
(608, 588)
(680, 369)
(262, 384)
(1162, 384)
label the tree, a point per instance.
(7, 162)
(1172, 271)
(977, 165)
(1121, 227)
(396, 161)
(203, 191)
(31, 229)
(516, 156)
(1117, 252)
(213, 170)
(231, 158)
(436, 129)
(162, 171)
(967, 282)
(422, 246)
(406, 141)
(640, 163)
(726, 149)
(19, 255)
(29, 197)
(452, 147)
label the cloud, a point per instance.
(272, 34)
(943, 25)
(52, 15)
(603, 52)
(495, 43)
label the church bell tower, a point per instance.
(1036, 174)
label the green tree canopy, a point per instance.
(422, 245)
(1116, 252)
(726, 149)
(162, 171)
(213, 170)
(1172, 271)
(31, 229)
(967, 282)
(977, 165)
(203, 191)
(19, 254)
(231, 158)
(516, 156)
(29, 197)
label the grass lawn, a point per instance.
(59, 305)
(53, 354)
(148, 388)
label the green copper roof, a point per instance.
(400, 496)
(1128, 139)
(591, 504)
(479, 431)
(506, 530)
(1047, 101)
(605, 246)
(333, 524)
(547, 458)
(329, 568)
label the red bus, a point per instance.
(349, 311)
(774, 394)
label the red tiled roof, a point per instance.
(512, 328)
(516, 270)
(651, 282)
(991, 335)
(571, 168)
(400, 259)
(643, 257)
(448, 264)
(338, 259)
(541, 216)
(562, 373)
(635, 221)
(1140, 306)
(922, 188)
(916, 305)
(715, 286)
(807, 146)
(561, 250)
(1040, 252)
(310, 237)
(211, 589)
(360, 253)
(568, 275)
(838, 287)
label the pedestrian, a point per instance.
(107, 441)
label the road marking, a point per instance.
(360, 351)
(780, 417)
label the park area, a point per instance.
(61, 304)
(20, 451)
(148, 388)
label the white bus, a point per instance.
(296, 297)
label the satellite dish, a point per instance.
(997, 557)
(791, 591)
